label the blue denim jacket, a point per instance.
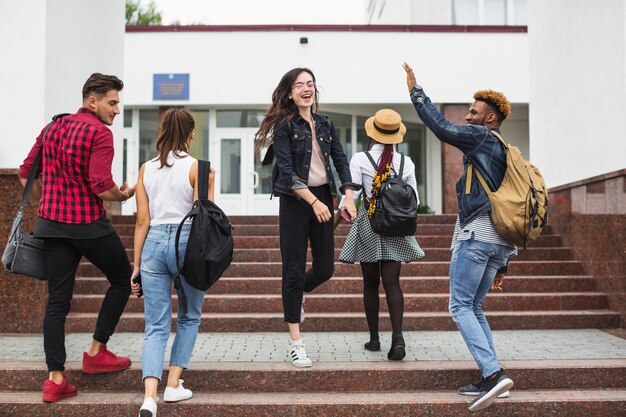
(293, 147)
(478, 146)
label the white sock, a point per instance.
(296, 342)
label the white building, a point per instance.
(226, 75)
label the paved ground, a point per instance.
(344, 346)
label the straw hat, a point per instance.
(385, 127)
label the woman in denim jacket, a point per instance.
(304, 143)
(166, 190)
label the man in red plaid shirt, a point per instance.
(75, 179)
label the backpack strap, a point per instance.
(470, 169)
(204, 168)
(36, 162)
(182, 302)
(369, 156)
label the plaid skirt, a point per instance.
(364, 245)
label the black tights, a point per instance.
(390, 272)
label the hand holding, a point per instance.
(349, 206)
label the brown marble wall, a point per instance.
(22, 299)
(452, 159)
(590, 215)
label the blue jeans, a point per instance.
(472, 269)
(158, 268)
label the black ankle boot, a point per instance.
(397, 352)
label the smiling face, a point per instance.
(106, 106)
(303, 92)
(481, 114)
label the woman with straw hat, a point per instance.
(381, 256)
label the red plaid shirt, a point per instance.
(77, 158)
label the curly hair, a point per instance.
(496, 100)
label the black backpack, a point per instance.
(210, 246)
(396, 205)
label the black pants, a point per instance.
(62, 258)
(298, 225)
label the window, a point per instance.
(148, 130)
(239, 118)
(128, 118)
(490, 12)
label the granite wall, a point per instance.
(22, 299)
(590, 215)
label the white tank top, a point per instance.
(170, 196)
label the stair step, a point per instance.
(335, 376)
(432, 254)
(571, 403)
(419, 268)
(334, 303)
(425, 241)
(354, 285)
(330, 322)
(242, 220)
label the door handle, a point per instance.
(255, 179)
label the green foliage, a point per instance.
(139, 15)
(424, 209)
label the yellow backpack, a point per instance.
(519, 207)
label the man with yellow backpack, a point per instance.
(487, 229)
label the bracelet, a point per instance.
(314, 201)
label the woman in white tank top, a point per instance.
(166, 190)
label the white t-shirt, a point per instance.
(170, 196)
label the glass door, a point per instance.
(243, 184)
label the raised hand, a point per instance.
(410, 76)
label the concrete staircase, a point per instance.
(545, 289)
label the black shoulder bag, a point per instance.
(24, 254)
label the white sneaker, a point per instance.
(148, 408)
(181, 393)
(299, 358)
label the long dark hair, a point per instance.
(282, 107)
(176, 127)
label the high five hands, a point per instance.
(410, 77)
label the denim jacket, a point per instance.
(479, 147)
(293, 147)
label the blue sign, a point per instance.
(170, 87)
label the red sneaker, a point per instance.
(53, 392)
(104, 361)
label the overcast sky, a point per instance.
(256, 12)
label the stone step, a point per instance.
(425, 241)
(354, 285)
(335, 376)
(570, 403)
(331, 322)
(273, 230)
(353, 303)
(242, 220)
(432, 254)
(420, 268)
